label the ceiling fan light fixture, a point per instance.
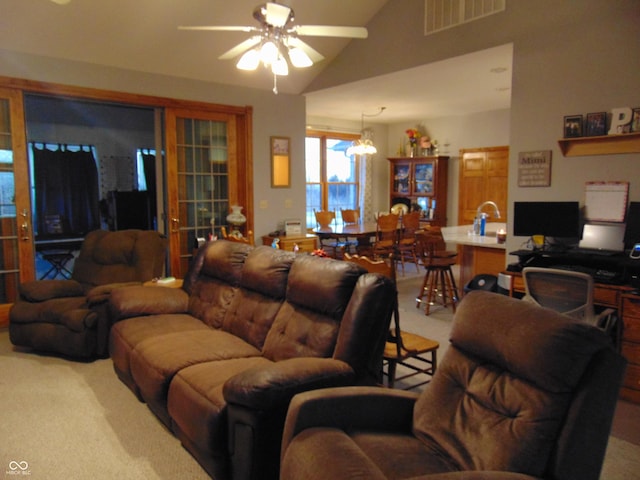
(299, 58)
(249, 60)
(269, 52)
(280, 67)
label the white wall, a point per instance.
(486, 129)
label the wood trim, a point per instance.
(75, 92)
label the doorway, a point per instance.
(87, 171)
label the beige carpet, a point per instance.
(69, 420)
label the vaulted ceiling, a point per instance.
(142, 35)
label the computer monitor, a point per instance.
(632, 232)
(551, 219)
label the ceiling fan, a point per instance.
(276, 36)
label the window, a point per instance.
(332, 175)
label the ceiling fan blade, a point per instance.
(313, 54)
(330, 31)
(240, 48)
(221, 28)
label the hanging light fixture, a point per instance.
(364, 146)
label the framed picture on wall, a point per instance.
(596, 124)
(280, 162)
(572, 126)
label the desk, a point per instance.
(57, 253)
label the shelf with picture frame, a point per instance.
(600, 145)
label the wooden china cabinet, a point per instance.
(421, 181)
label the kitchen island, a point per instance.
(477, 254)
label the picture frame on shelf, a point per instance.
(280, 162)
(596, 124)
(573, 126)
(635, 120)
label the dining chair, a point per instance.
(350, 217)
(439, 281)
(407, 241)
(418, 354)
(326, 220)
(386, 240)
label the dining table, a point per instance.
(362, 232)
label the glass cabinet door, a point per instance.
(401, 179)
(423, 179)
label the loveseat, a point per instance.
(70, 317)
(522, 392)
(219, 359)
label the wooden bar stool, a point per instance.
(439, 282)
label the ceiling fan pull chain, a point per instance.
(275, 84)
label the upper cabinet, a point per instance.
(601, 145)
(421, 181)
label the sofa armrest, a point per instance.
(101, 293)
(138, 301)
(41, 290)
(376, 408)
(273, 387)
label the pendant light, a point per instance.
(364, 146)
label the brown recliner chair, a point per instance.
(522, 392)
(70, 317)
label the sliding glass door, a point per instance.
(16, 244)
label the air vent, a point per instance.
(443, 14)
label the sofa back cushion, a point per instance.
(262, 290)
(119, 257)
(307, 324)
(501, 393)
(213, 279)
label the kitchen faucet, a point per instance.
(477, 223)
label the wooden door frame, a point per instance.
(26, 263)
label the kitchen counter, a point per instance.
(477, 254)
(462, 235)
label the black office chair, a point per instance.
(567, 292)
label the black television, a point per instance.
(551, 219)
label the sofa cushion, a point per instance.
(501, 395)
(156, 360)
(261, 293)
(318, 292)
(196, 403)
(127, 334)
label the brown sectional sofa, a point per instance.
(219, 359)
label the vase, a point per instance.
(411, 150)
(236, 218)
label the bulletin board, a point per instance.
(606, 201)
